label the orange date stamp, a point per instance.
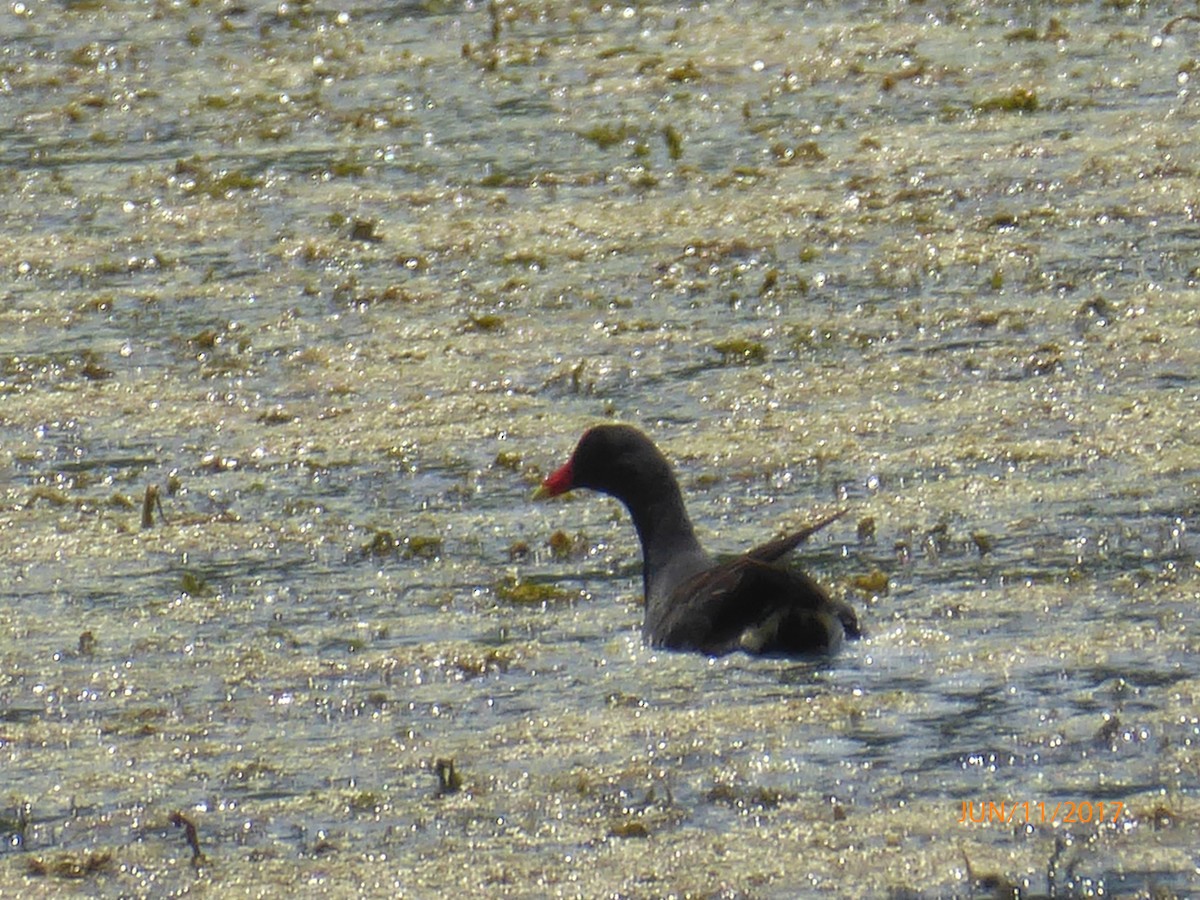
(1038, 812)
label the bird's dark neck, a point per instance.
(670, 551)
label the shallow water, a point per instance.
(344, 283)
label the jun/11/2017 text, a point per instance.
(1068, 812)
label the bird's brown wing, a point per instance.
(773, 550)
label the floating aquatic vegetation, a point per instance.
(1020, 100)
(1044, 360)
(193, 176)
(366, 230)
(744, 796)
(674, 140)
(569, 546)
(53, 496)
(686, 71)
(872, 584)
(277, 415)
(121, 501)
(72, 866)
(87, 644)
(508, 459)
(805, 151)
(530, 593)
(487, 323)
(983, 542)
(422, 546)
(769, 283)
(347, 167)
(629, 828)
(1054, 31)
(414, 546)
(607, 134)
(193, 583)
(910, 72)
(740, 351)
(865, 529)
(467, 663)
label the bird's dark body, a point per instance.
(751, 603)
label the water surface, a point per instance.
(343, 283)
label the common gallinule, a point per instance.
(749, 603)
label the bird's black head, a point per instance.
(617, 460)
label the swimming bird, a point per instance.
(692, 602)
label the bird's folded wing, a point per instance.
(773, 550)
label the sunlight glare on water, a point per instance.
(339, 286)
